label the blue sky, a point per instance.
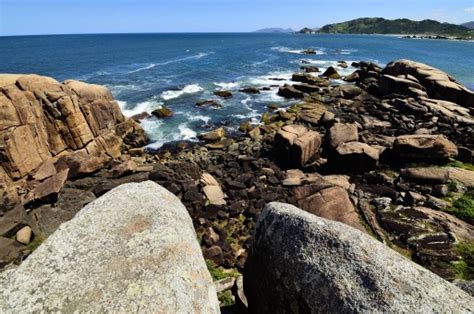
(21, 17)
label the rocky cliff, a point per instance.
(42, 121)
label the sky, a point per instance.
(33, 17)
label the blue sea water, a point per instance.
(146, 71)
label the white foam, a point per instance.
(231, 85)
(146, 106)
(205, 119)
(297, 51)
(185, 133)
(153, 65)
(188, 89)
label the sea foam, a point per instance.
(188, 89)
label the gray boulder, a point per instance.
(300, 263)
(132, 250)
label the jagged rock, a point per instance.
(122, 253)
(212, 190)
(355, 157)
(223, 93)
(331, 73)
(42, 119)
(140, 116)
(438, 84)
(424, 147)
(301, 263)
(341, 133)
(398, 85)
(163, 112)
(51, 186)
(212, 136)
(288, 91)
(296, 145)
(123, 169)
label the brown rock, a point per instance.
(24, 235)
(288, 91)
(223, 93)
(296, 145)
(341, 133)
(427, 174)
(10, 251)
(209, 103)
(46, 170)
(424, 147)
(355, 157)
(331, 73)
(214, 135)
(51, 186)
(125, 168)
(163, 112)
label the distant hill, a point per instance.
(275, 30)
(469, 25)
(399, 26)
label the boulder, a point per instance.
(212, 136)
(24, 235)
(355, 157)
(212, 190)
(437, 83)
(424, 147)
(426, 174)
(122, 253)
(399, 85)
(163, 112)
(331, 73)
(289, 91)
(296, 145)
(306, 88)
(51, 186)
(42, 119)
(310, 79)
(301, 263)
(250, 90)
(223, 93)
(341, 133)
(209, 103)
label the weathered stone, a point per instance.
(24, 235)
(426, 174)
(45, 171)
(331, 73)
(10, 252)
(212, 190)
(397, 85)
(438, 84)
(223, 93)
(341, 133)
(125, 168)
(296, 145)
(301, 263)
(214, 135)
(424, 147)
(51, 186)
(209, 103)
(355, 157)
(224, 284)
(163, 112)
(136, 235)
(250, 90)
(289, 91)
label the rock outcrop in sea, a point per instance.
(132, 250)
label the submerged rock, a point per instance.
(134, 249)
(300, 263)
(163, 112)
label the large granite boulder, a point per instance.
(296, 145)
(300, 263)
(424, 147)
(42, 119)
(437, 83)
(132, 250)
(341, 133)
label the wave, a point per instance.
(297, 51)
(153, 65)
(160, 135)
(231, 85)
(205, 119)
(188, 89)
(146, 106)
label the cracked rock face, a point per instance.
(301, 263)
(42, 119)
(134, 249)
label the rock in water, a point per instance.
(300, 263)
(134, 249)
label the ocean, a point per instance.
(147, 71)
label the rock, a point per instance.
(214, 253)
(12, 221)
(355, 157)
(46, 170)
(349, 91)
(223, 93)
(309, 52)
(466, 285)
(43, 119)
(342, 64)
(10, 252)
(464, 176)
(24, 235)
(135, 235)
(51, 186)
(310, 79)
(212, 136)
(330, 202)
(438, 84)
(296, 145)
(250, 90)
(331, 73)
(309, 69)
(306, 88)
(433, 175)
(163, 112)
(288, 91)
(224, 284)
(424, 147)
(123, 169)
(397, 85)
(241, 299)
(341, 133)
(212, 190)
(80, 163)
(301, 263)
(209, 103)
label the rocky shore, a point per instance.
(387, 151)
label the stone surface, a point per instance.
(437, 83)
(289, 91)
(301, 263)
(214, 135)
(24, 235)
(212, 190)
(355, 157)
(341, 133)
(41, 119)
(426, 174)
(296, 145)
(424, 147)
(122, 253)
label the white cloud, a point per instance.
(469, 10)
